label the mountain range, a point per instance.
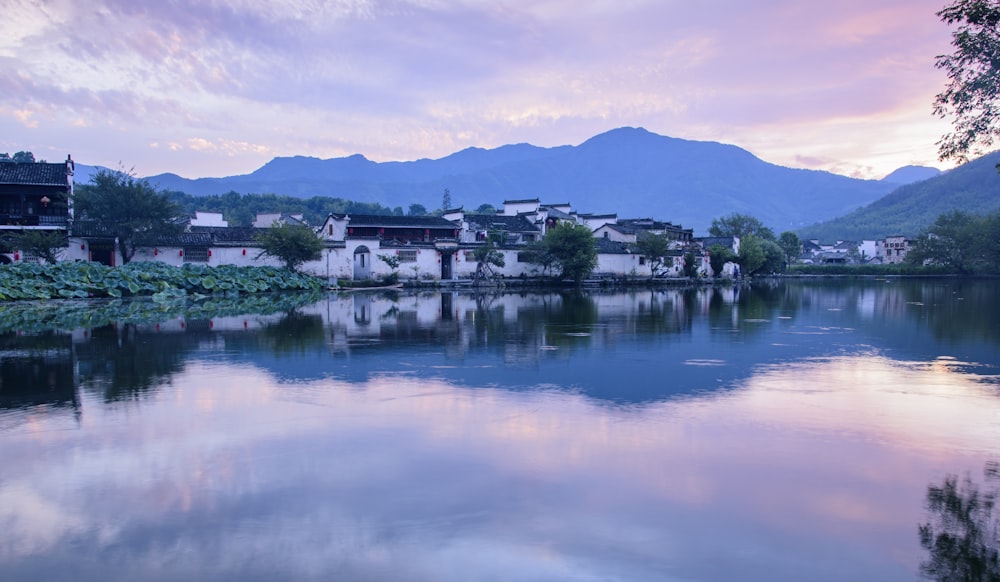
(629, 171)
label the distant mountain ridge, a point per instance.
(628, 171)
(973, 187)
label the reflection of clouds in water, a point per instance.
(404, 478)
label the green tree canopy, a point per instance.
(656, 249)
(718, 256)
(126, 208)
(293, 245)
(972, 96)
(740, 225)
(962, 242)
(791, 245)
(571, 247)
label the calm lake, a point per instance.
(788, 431)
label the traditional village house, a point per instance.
(892, 250)
(35, 196)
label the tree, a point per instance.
(291, 244)
(487, 256)
(740, 225)
(47, 245)
(958, 241)
(486, 209)
(126, 208)
(718, 256)
(791, 245)
(656, 249)
(417, 210)
(751, 257)
(23, 158)
(393, 262)
(690, 265)
(972, 95)
(572, 248)
(446, 200)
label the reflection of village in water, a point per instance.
(585, 342)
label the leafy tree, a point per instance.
(690, 265)
(293, 245)
(486, 209)
(751, 257)
(740, 225)
(127, 208)
(961, 242)
(47, 245)
(573, 250)
(417, 210)
(718, 256)
(791, 245)
(487, 256)
(5, 158)
(23, 158)
(774, 257)
(656, 249)
(972, 95)
(393, 262)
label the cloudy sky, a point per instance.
(219, 87)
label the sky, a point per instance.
(219, 87)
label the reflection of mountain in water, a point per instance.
(628, 347)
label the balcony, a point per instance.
(33, 220)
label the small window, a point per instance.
(195, 254)
(524, 257)
(407, 256)
(642, 260)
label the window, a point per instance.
(642, 260)
(524, 257)
(195, 254)
(407, 256)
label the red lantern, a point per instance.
(210, 252)
(180, 253)
(244, 252)
(156, 252)
(17, 256)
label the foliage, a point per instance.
(791, 245)
(960, 242)
(718, 256)
(972, 95)
(656, 249)
(446, 200)
(78, 280)
(293, 245)
(126, 208)
(242, 209)
(869, 270)
(751, 257)
(486, 209)
(38, 317)
(690, 265)
(487, 256)
(571, 248)
(963, 542)
(910, 209)
(47, 245)
(393, 262)
(740, 225)
(22, 157)
(417, 210)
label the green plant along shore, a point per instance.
(38, 317)
(162, 282)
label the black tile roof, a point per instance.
(500, 222)
(610, 247)
(38, 174)
(375, 220)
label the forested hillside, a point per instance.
(973, 188)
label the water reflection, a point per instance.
(785, 432)
(963, 540)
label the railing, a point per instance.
(32, 220)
